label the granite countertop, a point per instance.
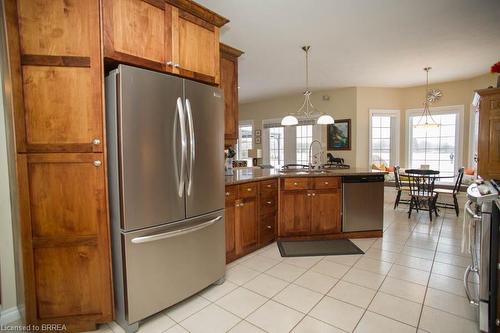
(255, 174)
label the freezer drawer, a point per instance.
(164, 265)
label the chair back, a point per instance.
(421, 185)
(458, 182)
(397, 178)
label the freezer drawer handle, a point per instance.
(170, 234)
(466, 286)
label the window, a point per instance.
(437, 147)
(244, 141)
(304, 137)
(277, 146)
(384, 137)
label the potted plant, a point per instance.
(496, 69)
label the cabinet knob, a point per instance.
(269, 227)
(170, 63)
(269, 202)
(242, 204)
(97, 163)
(96, 142)
(295, 184)
(268, 185)
(308, 194)
(314, 194)
(177, 65)
(227, 194)
(249, 189)
(326, 183)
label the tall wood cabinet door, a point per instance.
(489, 136)
(325, 211)
(195, 47)
(61, 76)
(229, 84)
(247, 229)
(295, 213)
(65, 222)
(138, 32)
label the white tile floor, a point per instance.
(408, 281)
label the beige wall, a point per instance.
(7, 268)
(355, 103)
(342, 105)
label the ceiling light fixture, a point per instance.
(307, 110)
(431, 96)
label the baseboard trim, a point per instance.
(9, 315)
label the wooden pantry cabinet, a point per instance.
(488, 161)
(250, 217)
(229, 84)
(56, 80)
(310, 206)
(174, 36)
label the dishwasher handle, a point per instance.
(363, 179)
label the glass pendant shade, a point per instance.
(325, 120)
(289, 121)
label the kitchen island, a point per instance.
(263, 205)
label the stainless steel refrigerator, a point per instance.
(166, 189)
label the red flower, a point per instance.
(495, 68)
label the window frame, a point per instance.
(241, 124)
(395, 143)
(459, 130)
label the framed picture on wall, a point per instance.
(339, 135)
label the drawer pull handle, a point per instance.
(269, 227)
(97, 163)
(268, 185)
(269, 202)
(227, 194)
(249, 189)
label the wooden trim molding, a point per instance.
(58, 61)
(226, 49)
(199, 11)
(196, 20)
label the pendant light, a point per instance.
(431, 96)
(307, 109)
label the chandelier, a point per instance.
(431, 96)
(307, 110)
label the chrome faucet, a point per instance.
(310, 152)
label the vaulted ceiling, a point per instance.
(383, 43)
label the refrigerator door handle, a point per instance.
(192, 145)
(182, 123)
(170, 234)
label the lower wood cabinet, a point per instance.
(250, 217)
(310, 206)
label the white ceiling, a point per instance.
(383, 43)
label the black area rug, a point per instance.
(306, 248)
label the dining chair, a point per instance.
(400, 188)
(453, 192)
(422, 196)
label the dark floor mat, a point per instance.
(303, 248)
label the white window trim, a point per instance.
(397, 135)
(473, 141)
(459, 130)
(246, 123)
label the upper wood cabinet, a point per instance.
(175, 36)
(229, 84)
(489, 134)
(59, 108)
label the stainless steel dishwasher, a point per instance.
(363, 203)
